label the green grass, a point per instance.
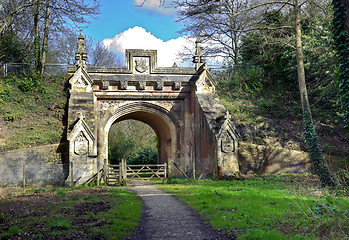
(271, 207)
(121, 221)
(10, 232)
(34, 116)
(79, 213)
(60, 222)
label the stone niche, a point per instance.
(227, 149)
(82, 153)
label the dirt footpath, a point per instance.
(165, 217)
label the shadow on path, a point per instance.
(165, 217)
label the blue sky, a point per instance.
(119, 15)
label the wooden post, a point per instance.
(165, 172)
(23, 176)
(124, 171)
(169, 161)
(98, 173)
(185, 175)
(120, 173)
(71, 175)
(194, 163)
(105, 171)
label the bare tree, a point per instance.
(38, 22)
(61, 15)
(45, 40)
(9, 9)
(219, 22)
(98, 55)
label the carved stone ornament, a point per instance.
(159, 85)
(228, 143)
(141, 85)
(123, 84)
(176, 85)
(81, 144)
(81, 83)
(106, 105)
(141, 65)
(105, 85)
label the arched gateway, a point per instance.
(192, 126)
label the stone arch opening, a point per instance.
(134, 141)
(158, 118)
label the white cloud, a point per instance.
(138, 38)
(179, 50)
(162, 7)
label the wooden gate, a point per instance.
(119, 173)
(114, 174)
(147, 172)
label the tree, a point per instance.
(9, 10)
(274, 52)
(48, 21)
(98, 55)
(133, 141)
(65, 14)
(341, 39)
(293, 7)
(218, 22)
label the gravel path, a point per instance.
(165, 217)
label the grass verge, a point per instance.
(81, 213)
(269, 207)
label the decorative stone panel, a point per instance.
(81, 81)
(81, 139)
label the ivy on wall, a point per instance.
(341, 42)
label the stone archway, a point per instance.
(179, 103)
(159, 119)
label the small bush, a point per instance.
(11, 117)
(144, 155)
(26, 84)
(60, 223)
(5, 91)
(265, 105)
(13, 230)
(61, 192)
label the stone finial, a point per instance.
(81, 115)
(81, 55)
(198, 59)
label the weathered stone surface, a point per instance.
(44, 165)
(261, 159)
(192, 126)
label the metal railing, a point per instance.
(22, 69)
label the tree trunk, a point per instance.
(311, 138)
(44, 44)
(36, 37)
(299, 59)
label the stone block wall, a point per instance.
(44, 165)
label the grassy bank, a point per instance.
(270, 207)
(32, 114)
(81, 213)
